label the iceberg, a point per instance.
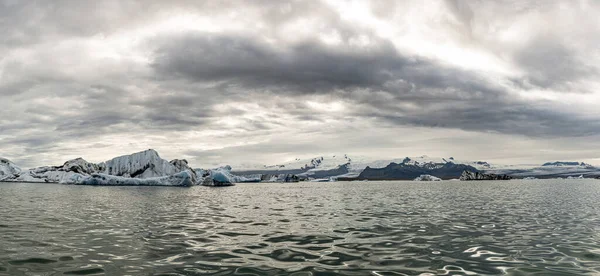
(223, 176)
(184, 179)
(79, 165)
(144, 164)
(8, 169)
(470, 175)
(182, 165)
(285, 177)
(49, 176)
(427, 177)
(142, 168)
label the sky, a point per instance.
(263, 82)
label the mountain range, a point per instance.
(148, 168)
(343, 167)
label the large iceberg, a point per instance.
(178, 179)
(143, 164)
(142, 168)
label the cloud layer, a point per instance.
(265, 81)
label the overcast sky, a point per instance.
(232, 82)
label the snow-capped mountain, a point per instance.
(344, 166)
(567, 164)
(550, 170)
(148, 168)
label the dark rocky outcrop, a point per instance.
(403, 171)
(340, 170)
(472, 175)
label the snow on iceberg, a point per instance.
(427, 177)
(70, 172)
(184, 179)
(79, 165)
(8, 169)
(50, 176)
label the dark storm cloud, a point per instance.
(308, 67)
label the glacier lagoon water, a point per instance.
(540, 227)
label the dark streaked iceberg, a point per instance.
(471, 175)
(183, 178)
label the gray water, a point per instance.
(549, 227)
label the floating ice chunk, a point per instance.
(427, 177)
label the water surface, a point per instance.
(543, 227)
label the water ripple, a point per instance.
(375, 228)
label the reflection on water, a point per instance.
(541, 227)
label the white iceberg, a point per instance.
(8, 170)
(142, 168)
(49, 176)
(145, 164)
(427, 177)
